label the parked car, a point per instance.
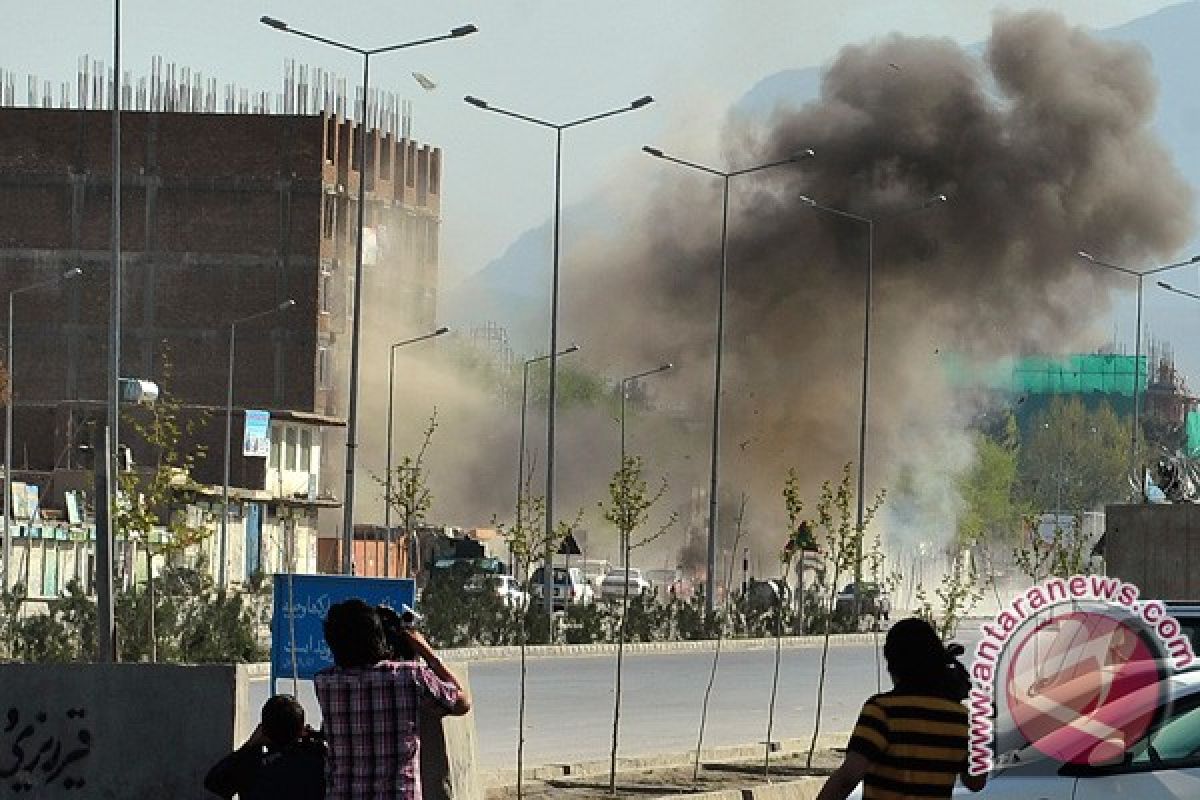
(1161, 763)
(874, 601)
(505, 586)
(569, 587)
(613, 586)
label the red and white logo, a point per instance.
(1081, 684)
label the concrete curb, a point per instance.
(583, 769)
(635, 648)
(798, 789)
(262, 670)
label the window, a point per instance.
(329, 217)
(326, 286)
(305, 449)
(276, 433)
(323, 367)
(290, 455)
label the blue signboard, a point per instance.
(296, 625)
(256, 436)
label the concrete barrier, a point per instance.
(152, 731)
(128, 731)
(449, 753)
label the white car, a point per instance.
(1162, 763)
(613, 586)
(569, 587)
(506, 586)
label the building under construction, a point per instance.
(232, 203)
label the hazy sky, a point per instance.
(555, 59)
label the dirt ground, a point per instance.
(674, 780)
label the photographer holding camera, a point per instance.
(370, 700)
(282, 760)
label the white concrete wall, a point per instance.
(130, 731)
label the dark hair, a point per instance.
(282, 719)
(917, 659)
(354, 634)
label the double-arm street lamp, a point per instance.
(1137, 346)
(714, 459)
(524, 406)
(1177, 290)
(387, 476)
(222, 570)
(352, 413)
(558, 128)
(8, 418)
(626, 524)
(870, 223)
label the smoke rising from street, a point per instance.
(1043, 148)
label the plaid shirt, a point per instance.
(372, 728)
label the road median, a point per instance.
(636, 648)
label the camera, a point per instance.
(396, 625)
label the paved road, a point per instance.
(569, 714)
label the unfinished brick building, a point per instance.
(223, 216)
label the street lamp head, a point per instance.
(654, 151)
(464, 30)
(271, 22)
(441, 330)
(666, 367)
(803, 154)
(1085, 256)
(475, 101)
(1194, 259)
(940, 198)
(808, 201)
(642, 101)
(74, 272)
(572, 349)
(285, 305)
(1166, 286)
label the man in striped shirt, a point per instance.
(910, 742)
(370, 706)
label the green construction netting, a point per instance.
(1110, 374)
(1193, 433)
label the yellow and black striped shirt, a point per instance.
(917, 745)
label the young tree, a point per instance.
(628, 508)
(526, 540)
(712, 675)
(799, 539)
(409, 494)
(148, 508)
(843, 539)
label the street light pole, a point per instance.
(625, 553)
(223, 567)
(868, 292)
(6, 584)
(387, 476)
(1137, 349)
(356, 329)
(715, 448)
(558, 128)
(521, 447)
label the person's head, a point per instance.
(282, 719)
(916, 657)
(354, 634)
